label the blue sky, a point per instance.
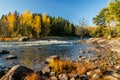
(72, 10)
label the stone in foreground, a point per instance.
(11, 57)
(52, 58)
(4, 52)
(17, 73)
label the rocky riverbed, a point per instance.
(100, 61)
(54, 68)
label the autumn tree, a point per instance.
(11, 23)
(26, 23)
(37, 25)
(114, 8)
(46, 24)
(4, 27)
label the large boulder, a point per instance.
(2, 73)
(53, 78)
(4, 52)
(17, 73)
(47, 69)
(63, 77)
(11, 57)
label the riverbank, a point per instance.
(112, 44)
(8, 39)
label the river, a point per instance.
(32, 53)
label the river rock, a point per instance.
(116, 74)
(94, 59)
(52, 58)
(72, 78)
(63, 77)
(24, 39)
(40, 73)
(117, 67)
(2, 73)
(96, 76)
(11, 57)
(47, 69)
(110, 78)
(53, 78)
(97, 71)
(82, 51)
(81, 58)
(76, 77)
(84, 77)
(52, 73)
(90, 73)
(107, 72)
(39, 48)
(17, 73)
(4, 52)
(2, 67)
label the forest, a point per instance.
(34, 25)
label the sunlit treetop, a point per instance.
(113, 0)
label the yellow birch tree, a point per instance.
(26, 22)
(11, 23)
(46, 24)
(37, 25)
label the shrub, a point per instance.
(62, 66)
(98, 32)
(34, 76)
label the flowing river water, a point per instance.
(32, 53)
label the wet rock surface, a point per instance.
(11, 57)
(4, 52)
(24, 39)
(17, 73)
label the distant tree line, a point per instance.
(34, 25)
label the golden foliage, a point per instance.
(26, 18)
(62, 66)
(32, 76)
(81, 69)
(37, 25)
(8, 39)
(11, 22)
(46, 20)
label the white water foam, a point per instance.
(35, 43)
